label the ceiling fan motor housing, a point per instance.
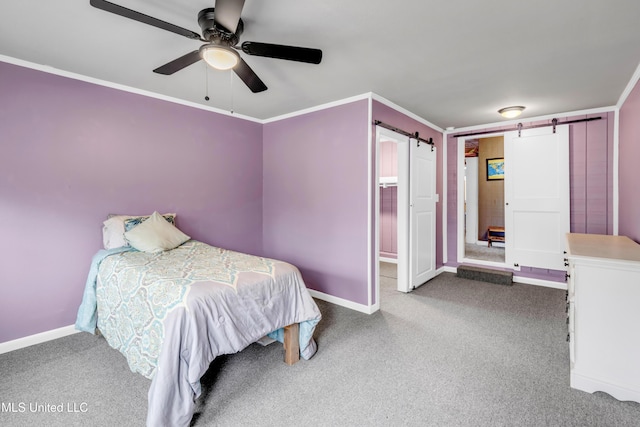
(215, 33)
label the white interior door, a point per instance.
(536, 197)
(422, 213)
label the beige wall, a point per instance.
(490, 193)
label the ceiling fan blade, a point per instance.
(249, 77)
(291, 53)
(141, 17)
(227, 13)
(179, 63)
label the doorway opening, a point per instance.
(411, 170)
(480, 201)
(392, 176)
(484, 218)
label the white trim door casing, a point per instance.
(422, 213)
(537, 205)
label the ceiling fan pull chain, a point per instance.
(231, 86)
(206, 82)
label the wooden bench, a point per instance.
(495, 234)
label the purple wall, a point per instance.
(315, 197)
(389, 222)
(591, 174)
(294, 189)
(452, 200)
(629, 155)
(73, 152)
(591, 180)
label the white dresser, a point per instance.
(603, 295)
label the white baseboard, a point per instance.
(540, 282)
(30, 340)
(343, 302)
(353, 305)
(389, 260)
(441, 270)
(591, 385)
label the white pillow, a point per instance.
(155, 235)
(114, 227)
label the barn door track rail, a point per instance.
(415, 135)
(519, 127)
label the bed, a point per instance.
(172, 311)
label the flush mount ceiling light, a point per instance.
(219, 57)
(511, 112)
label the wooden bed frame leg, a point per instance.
(291, 344)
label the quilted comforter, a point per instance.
(171, 313)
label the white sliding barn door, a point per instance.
(422, 213)
(536, 197)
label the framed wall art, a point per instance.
(495, 169)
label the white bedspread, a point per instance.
(173, 312)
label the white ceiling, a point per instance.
(454, 63)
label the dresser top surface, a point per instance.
(602, 246)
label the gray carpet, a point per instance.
(455, 352)
(483, 252)
(389, 270)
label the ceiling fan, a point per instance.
(221, 29)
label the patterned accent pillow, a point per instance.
(131, 223)
(113, 231)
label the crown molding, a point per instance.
(630, 86)
(75, 76)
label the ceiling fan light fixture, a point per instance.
(219, 57)
(511, 112)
